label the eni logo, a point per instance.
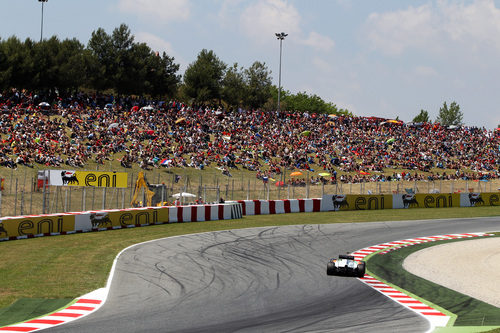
(362, 203)
(29, 227)
(102, 180)
(438, 201)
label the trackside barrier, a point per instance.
(264, 207)
(67, 223)
(32, 226)
(335, 202)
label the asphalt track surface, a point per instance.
(270, 279)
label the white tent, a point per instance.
(184, 195)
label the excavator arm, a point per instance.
(139, 184)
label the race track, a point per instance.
(258, 280)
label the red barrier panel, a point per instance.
(302, 205)
(257, 207)
(180, 210)
(272, 207)
(316, 205)
(194, 213)
(208, 210)
(287, 206)
(221, 212)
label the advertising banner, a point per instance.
(87, 178)
(422, 200)
(34, 225)
(474, 199)
(334, 202)
(121, 218)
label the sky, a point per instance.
(384, 58)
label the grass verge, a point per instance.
(63, 267)
(469, 311)
(26, 308)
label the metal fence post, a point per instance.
(103, 198)
(44, 202)
(15, 201)
(248, 190)
(84, 196)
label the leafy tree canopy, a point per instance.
(450, 115)
(422, 117)
(203, 78)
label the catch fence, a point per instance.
(25, 195)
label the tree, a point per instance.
(72, 59)
(128, 65)
(129, 68)
(450, 116)
(311, 103)
(258, 82)
(101, 48)
(161, 75)
(233, 86)
(203, 78)
(46, 65)
(422, 117)
(16, 65)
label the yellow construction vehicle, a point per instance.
(139, 184)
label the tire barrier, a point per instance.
(31, 226)
(264, 207)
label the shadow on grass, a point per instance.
(27, 308)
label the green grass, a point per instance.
(59, 267)
(27, 308)
(469, 311)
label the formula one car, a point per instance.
(345, 265)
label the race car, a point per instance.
(345, 265)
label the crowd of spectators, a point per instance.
(76, 129)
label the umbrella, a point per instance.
(393, 121)
(184, 195)
(44, 104)
(332, 116)
(391, 140)
(280, 184)
(180, 120)
(296, 173)
(324, 174)
(147, 108)
(306, 133)
(134, 108)
(113, 125)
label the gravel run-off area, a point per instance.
(470, 267)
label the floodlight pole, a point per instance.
(41, 25)
(280, 36)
